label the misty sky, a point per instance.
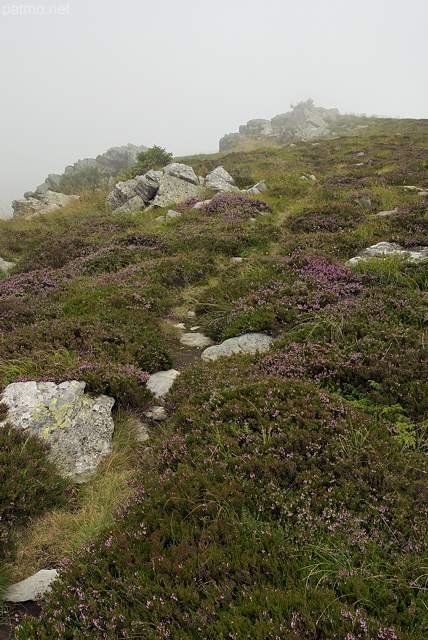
(182, 73)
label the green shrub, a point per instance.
(29, 485)
(85, 179)
(154, 158)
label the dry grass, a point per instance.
(55, 535)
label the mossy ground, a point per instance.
(285, 497)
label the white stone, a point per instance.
(195, 328)
(78, 428)
(190, 314)
(5, 265)
(31, 587)
(247, 343)
(160, 383)
(197, 340)
(180, 325)
(159, 219)
(237, 259)
(409, 187)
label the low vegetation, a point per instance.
(285, 496)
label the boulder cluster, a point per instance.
(174, 183)
(305, 121)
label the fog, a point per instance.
(83, 76)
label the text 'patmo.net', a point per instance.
(35, 10)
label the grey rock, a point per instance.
(157, 413)
(423, 193)
(110, 164)
(256, 128)
(197, 340)
(247, 343)
(220, 180)
(147, 186)
(173, 190)
(141, 431)
(133, 205)
(361, 153)
(172, 214)
(182, 171)
(387, 213)
(364, 202)
(304, 122)
(258, 188)
(159, 219)
(161, 382)
(78, 428)
(5, 266)
(409, 187)
(41, 190)
(53, 180)
(144, 187)
(200, 204)
(381, 249)
(44, 203)
(32, 587)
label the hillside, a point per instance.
(284, 495)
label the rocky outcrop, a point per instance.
(171, 185)
(416, 255)
(247, 343)
(109, 165)
(78, 428)
(303, 122)
(38, 202)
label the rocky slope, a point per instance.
(268, 360)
